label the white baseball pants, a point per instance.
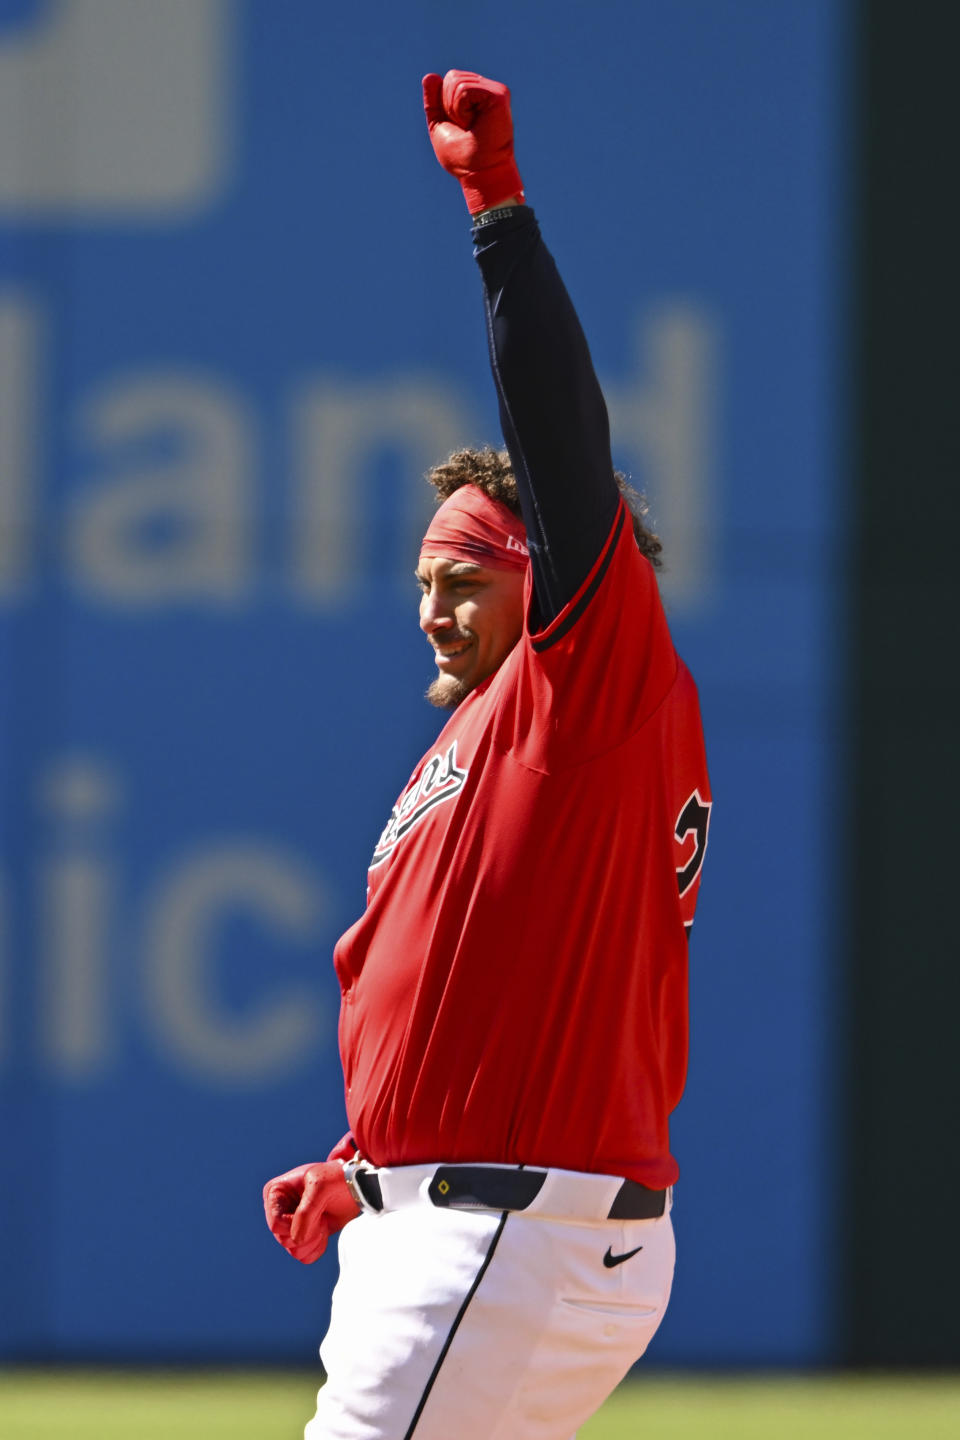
(460, 1325)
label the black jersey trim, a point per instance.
(455, 1326)
(573, 615)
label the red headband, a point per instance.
(470, 526)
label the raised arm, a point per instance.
(551, 407)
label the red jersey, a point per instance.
(516, 990)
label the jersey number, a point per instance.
(694, 819)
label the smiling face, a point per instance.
(473, 616)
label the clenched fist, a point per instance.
(306, 1206)
(471, 131)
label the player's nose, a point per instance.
(434, 615)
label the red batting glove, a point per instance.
(306, 1206)
(471, 131)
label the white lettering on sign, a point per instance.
(112, 108)
(20, 403)
(77, 888)
(338, 429)
(76, 894)
(106, 962)
(182, 953)
(177, 528)
(171, 516)
(666, 423)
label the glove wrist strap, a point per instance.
(490, 217)
(350, 1168)
(485, 188)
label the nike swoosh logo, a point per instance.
(610, 1259)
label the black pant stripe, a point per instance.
(455, 1326)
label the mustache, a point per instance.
(458, 638)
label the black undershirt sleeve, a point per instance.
(551, 409)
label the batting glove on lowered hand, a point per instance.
(306, 1206)
(471, 131)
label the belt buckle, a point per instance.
(350, 1169)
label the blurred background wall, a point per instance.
(238, 319)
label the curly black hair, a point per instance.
(490, 470)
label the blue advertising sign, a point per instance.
(238, 320)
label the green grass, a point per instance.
(848, 1408)
(184, 1405)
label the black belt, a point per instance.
(483, 1187)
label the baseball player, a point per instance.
(514, 1017)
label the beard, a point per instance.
(446, 692)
